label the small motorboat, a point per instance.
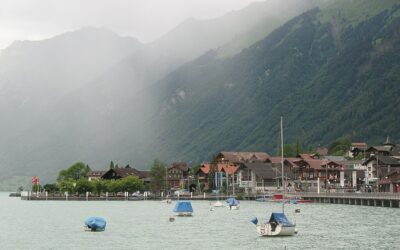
(183, 208)
(278, 225)
(95, 224)
(233, 204)
(168, 201)
(218, 204)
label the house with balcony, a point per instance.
(178, 175)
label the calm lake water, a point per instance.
(145, 225)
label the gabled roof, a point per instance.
(221, 167)
(243, 156)
(334, 158)
(180, 165)
(267, 170)
(384, 160)
(128, 171)
(96, 173)
(359, 145)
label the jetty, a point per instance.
(376, 199)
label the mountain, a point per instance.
(331, 73)
(81, 96)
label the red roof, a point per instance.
(222, 167)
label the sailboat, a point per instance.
(218, 203)
(278, 224)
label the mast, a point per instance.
(283, 180)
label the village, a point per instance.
(250, 173)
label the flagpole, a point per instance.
(283, 180)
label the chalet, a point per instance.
(118, 173)
(391, 182)
(378, 166)
(222, 173)
(95, 175)
(260, 176)
(177, 175)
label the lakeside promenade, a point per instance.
(378, 199)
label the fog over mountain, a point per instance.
(90, 95)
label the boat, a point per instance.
(168, 201)
(218, 204)
(278, 225)
(233, 204)
(183, 208)
(95, 224)
(263, 198)
(298, 200)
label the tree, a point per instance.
(51, 188)
(339, 147)
(131, 184)
(75, 172)
(114, 186)
(211, 174)
(66, 186)
(100, 186)
(111, 165)
(157, 174)
(288, 151)
(83, 186)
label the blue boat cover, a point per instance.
(254, 221)
(95, 223)
(183, 206)
(232, 202)
(280, 218)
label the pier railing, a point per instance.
(374, 195)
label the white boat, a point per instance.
(168, 201)
(218, 204)
(278, 225)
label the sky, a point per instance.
(143, 19)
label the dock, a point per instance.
(376, 199)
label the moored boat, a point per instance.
(233, 204)
(183, 208)
(278, 225)
(95, 224)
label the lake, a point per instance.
(145, 225)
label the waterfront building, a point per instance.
(178, 175)
(95, 175)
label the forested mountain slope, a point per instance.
(329, 74)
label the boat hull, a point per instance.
(266, 230)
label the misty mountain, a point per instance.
(75, 96)
(331, 72)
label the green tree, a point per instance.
(74, 172)
(211, 174)
(114, 186)
(51, 188)
(131, 184)
(157, 174)
(83, 186)
(111, 165)
(67, 186)
(339, 147)
(288, 151)
(100, 186)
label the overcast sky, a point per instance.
(143, 19)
